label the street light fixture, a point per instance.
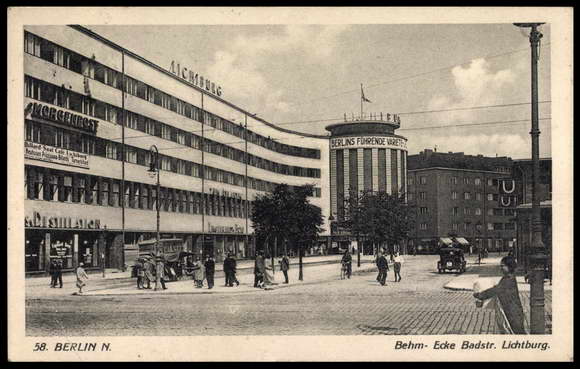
(331, 221)
(537, 258)
(154, 167)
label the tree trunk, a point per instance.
(300, 262)
(274, 254)
(358, 245)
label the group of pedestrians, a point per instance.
(383, 266)
(55, 271)
(146, 273)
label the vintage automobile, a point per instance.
(451, 258)
(174, 257)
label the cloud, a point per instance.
(249, 62)
(475, 85)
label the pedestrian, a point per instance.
(347, 259)
(509, 313)
(198, 272)
(58, 273)
(140, 271)
(209, 271)
(81, 275)
(233, 269)
(161, 270)
(52, 273)
(259, 270)
(383, 267)
(284, 266)
(397, 261)
(148, 273)
(268, 271)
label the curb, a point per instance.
(206, 292)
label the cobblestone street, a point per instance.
(326, 306)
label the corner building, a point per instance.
(93, 109)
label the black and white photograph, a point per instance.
(290, 184)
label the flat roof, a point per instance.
(113, 45)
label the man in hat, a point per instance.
(209, 271)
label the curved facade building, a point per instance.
(366, 155)
(92, 111)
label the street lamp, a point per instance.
(538, 257)
(331, 222)
(154, 167)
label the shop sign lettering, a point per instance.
(369, 141)
(56, 115)
(196, 79)
(225, 229)
(56, 155)
(43, 221)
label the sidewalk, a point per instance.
(488, 270)
(312, 273)
(112, 274)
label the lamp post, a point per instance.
(538, 257)
(477, 225)
(331, 220)
(154, 167)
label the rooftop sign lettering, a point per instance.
(196, 79)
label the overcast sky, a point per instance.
(297, 73)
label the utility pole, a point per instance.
(154, 167)
(537, 257)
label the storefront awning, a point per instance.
(446, 240)
(462, 241)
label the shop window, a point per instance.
(33, 250)
(88, 248)
(61, 247)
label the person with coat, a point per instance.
(58, 273)
(259, 270)
(81, 275)
(140, 271)
(230, 271)
(198, 272)
(52, 273)
(383, 267)
(161, 269)
(284, 266)
(347, 259)
(148, 273)
(509, 314)
(209, 271)
(397, 262)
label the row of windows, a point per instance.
(54, 185)
(71, 140)
(455, 181)
(476, 211)
(60, 96)
(490, 226)
(56, 54)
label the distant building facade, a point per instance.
(461, 198)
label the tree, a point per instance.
(287, 214)
(379, 217)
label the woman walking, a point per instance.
(509, 314)
(81, 275)
(198, 272)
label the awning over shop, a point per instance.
(462, 241)
(446, 240)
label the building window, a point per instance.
(498, 226)
(466, 211)
(490, 226)
(423, 180)
(467, 196)
(410, 180)
(454, 195)
(490, 197)
(455, 211)
(455, 226)
(423, 195)
(453, 180)
(477, 181)
(477, 211)
(423, 210)
(466, 180)
(478, 196)
(423, 226)
(411, 196)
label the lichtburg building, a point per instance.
(87, 155)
